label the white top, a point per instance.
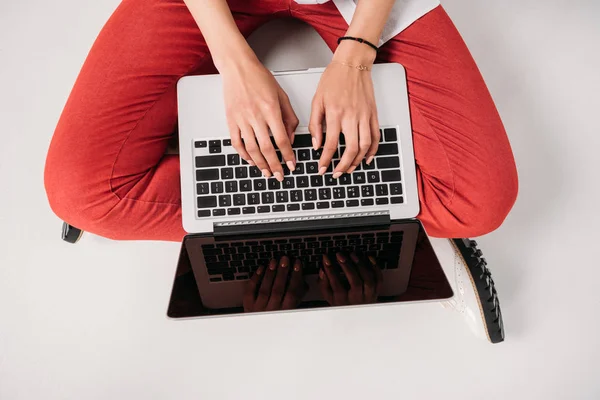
(403, 14)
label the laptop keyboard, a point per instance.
(230, 261)
(227, 186)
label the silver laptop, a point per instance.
(224, 198)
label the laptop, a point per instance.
(238, 220)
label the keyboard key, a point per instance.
(207, 174)
(351, 203)
(342, 139)
(322, 205)
(207, 201)
(367, 191)
(260, 184)
(216, 187)
(274, 184)
(227, 173)
(279, 156)
(241, 172)
(366, 202)
(254, 172)
(278, 208)
(231, 186)
(329, 181)
(387, 162)
(233, 159)
(358, 178)
(397, 200)
(345, 179)
(216, 279)
(227, 142)
(303, 140)
(288, 182)
(253, 198)
(325, 194)
(267, 198)
(248, 210)
(390, 176)
(299, 169)
(308, 206)
(296, 195)
(218, 212)
(353, 192)
(316, 154)
(339, 192)
(381, 190)
(316, 181)
(264, 209)
(200, 144)
(381, 201)
(387, 149)
(395, 189)
(304, 154)
(225, 201)
(244, 162)
(310, 194)
(214, 149)
(366, 166)
(302, 181)
(203, 213)
(373, 176)
(233, 211)
(228, 276)
(210, 161)
(246, 185)
(202, 188)
(312, 168)
(293, 207)
(337, 204)
(214, 143)
(390, 134)
(286, 170)
(282, 197)
(239, 200)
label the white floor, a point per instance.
(88, 321)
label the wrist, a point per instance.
(354, 52)
(233, 54)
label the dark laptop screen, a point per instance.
(305, 270)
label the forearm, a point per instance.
(368, 22)
(226, 44)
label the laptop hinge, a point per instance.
(307, 223)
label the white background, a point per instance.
(88, 321)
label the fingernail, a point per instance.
(322, 170)
(297, 265)
(321, 273)
(260, 270)
(341, 258)
(326, 261)
(337, 175)
(272, 265)
(351, 169)
(290, 165)
(278, 176)
(373, 260)
(266, 173)
(284, 262)
(251, 163)
(314, 142)
(370, 160)
(354, 257)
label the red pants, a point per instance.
(107, 171)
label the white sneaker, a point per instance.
(475, 296)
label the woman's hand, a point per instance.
(364, 279)
(268, 289)
(255, 104)
(346, 101)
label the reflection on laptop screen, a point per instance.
(305, 270)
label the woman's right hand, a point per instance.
(255, 104)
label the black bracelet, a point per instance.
(359, 40)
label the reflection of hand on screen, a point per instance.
(268, 289)
(364, 280)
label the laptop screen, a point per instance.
(313, 269)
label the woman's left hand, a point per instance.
(345, 99)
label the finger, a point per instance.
(364, 143)
(378, 275)
(296, 289)
(332, 137)
(251, 288)
(252, 148)
(237, 143)
(375, 138)
(325, 288)
(268, 150)
(350, 130)
(339, 291)
(315, 126)
(283, 143)
(264, 291)
(290, 119)
(366, 275)
(350, 272)
(278, 290)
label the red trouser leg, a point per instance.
(465, 168)
(106, 171)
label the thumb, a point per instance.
(315, 125)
